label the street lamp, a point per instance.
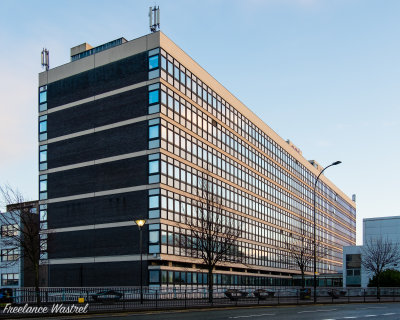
(140, 223)
(315, 224)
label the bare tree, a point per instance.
(301, 250)
(21, 231)
(212, 232)
(377, 255)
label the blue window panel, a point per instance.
(153, 62)
(43, 156)
(154, 144)
(155, 108)
(154, 237)
(163, 63)
(43, 97)
(154, 214)
(154, 202)
(154, 132)
(154, 167)
(43, 186)
(154, 74)
(43, 126)
(43, 136)
(153, 97)
(42, 107)
(154, 276)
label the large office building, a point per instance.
(16, 269)
(385, 229)
(125, 131)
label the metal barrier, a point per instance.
(128, 298)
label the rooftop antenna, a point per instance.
(154, 18)
(45, 59)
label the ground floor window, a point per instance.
(9, 279)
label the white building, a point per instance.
(373, 229)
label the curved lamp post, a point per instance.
(315, 239)
(140, 223)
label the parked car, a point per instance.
(107, 296)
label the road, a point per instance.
(385, 311)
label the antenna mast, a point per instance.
(45, 59)
(154, 18)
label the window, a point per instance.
(43, 128)
(154, 133)
(154, 202)
(9, 254)
(43, 187)
(153, 62)
(153, 96)
(43, 157)
(163, 63)
(154, 276)
(9, 279)
(9, 230)
(154, 168)
(42, 98)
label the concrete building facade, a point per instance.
(15, 268)
(385, 228)
(125, 131)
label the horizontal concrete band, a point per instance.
(121, 258)
(101, 193)
(101, 161)
(98, 129)
(100, 226)
(100, 96)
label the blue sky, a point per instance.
(322, 73)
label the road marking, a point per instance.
(349, 317)
(370, 315)
(388, 314)
(253, 315)
(322, 310)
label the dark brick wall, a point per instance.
(124, 106)
(106, 209)
(111, 76)
(106, 176)
(97, 242)
(98, 274)
(102, 144)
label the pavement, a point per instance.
(384, 311)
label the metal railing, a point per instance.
(128, 298)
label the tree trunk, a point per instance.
(378, 287)
(37, 290)
(210, 285)
(302, 279)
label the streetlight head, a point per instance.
(140, 222)
(336, 162)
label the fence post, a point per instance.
(364, 295)
(185, 298)
(348, 295)
(156, 298)
(278, 296)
